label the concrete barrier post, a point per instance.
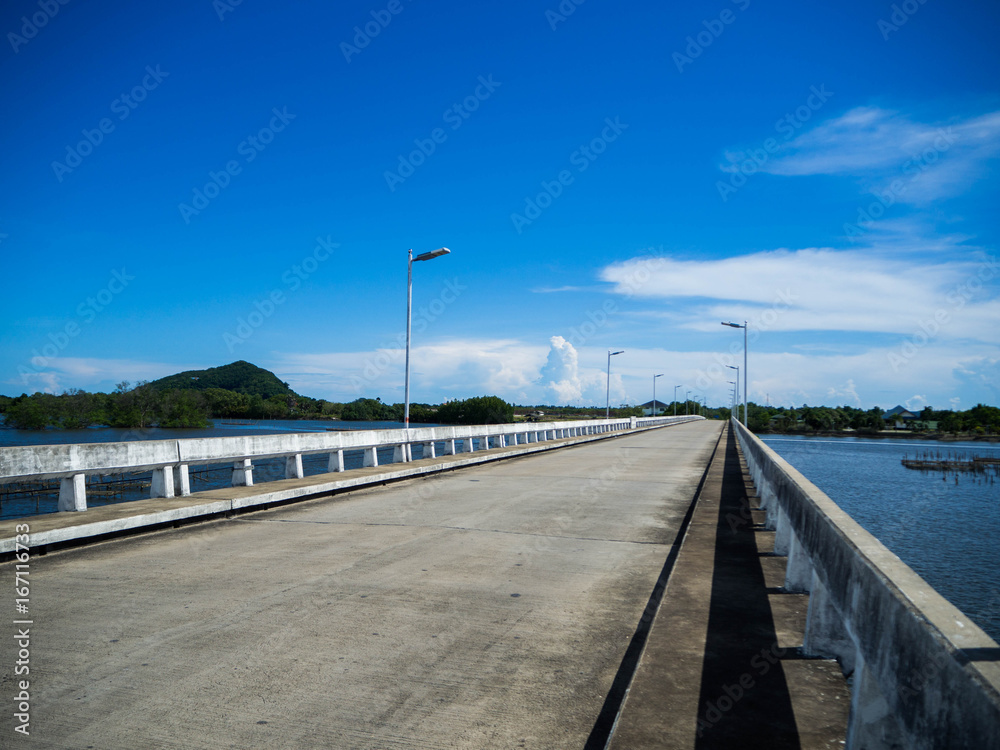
(467, 445)
(782, 532)
(399, 454)
(798, 570)
(826, 634)
(163, 482)
(293, 467)
(449, 448)
(336, 461)
(429, 451)
(766, 494)
(871, 724)
(243, 473)
(371, 457)
(73, 493)
(182, 480)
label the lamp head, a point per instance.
(432, 254)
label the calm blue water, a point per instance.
(946, 530)
(14, 503)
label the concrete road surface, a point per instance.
(484, 608)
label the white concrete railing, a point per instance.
(923, 675)
(169, 459)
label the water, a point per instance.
(103, 490)
(944, 526)
(119, 434)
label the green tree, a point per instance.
(28, 413)
(478, 410)
(369, 410)
(80, 409)
(183, 409)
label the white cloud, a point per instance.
(517, 371)
(447, 369)
(848, 394)
(820, 289)
(930, 160)
(561, 376)
(982, 372)
(563, 382)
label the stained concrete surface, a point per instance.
(485, 608)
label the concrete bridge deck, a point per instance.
(488, 607)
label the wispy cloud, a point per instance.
(877, 146)
(89, 373)
(823, 289)
(568, 288)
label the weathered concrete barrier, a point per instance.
(923, 675)
(168, 460)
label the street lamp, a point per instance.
(732, 399)
(607, 408)
(746, 372)
(737, 368)
(686, 402)
(409, 306)
(654, 392)
(675, 398)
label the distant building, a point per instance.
(647, 408)
(899, 416)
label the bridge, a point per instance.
(631, 583)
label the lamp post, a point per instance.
(675, 399)
(746, 372)
(409, 306)
(607, 408)
(732, 399)
(654, 393)
(687, 402)
(737, 368)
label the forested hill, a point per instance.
(241, 377)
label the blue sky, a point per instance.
(189, 184)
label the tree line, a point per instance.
(979, 420)
(142, 405)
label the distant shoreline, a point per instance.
(936, 436)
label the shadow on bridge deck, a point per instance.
(723, 666)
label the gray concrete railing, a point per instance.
(169, 459)
(923, 674)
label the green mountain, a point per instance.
(241, 377)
